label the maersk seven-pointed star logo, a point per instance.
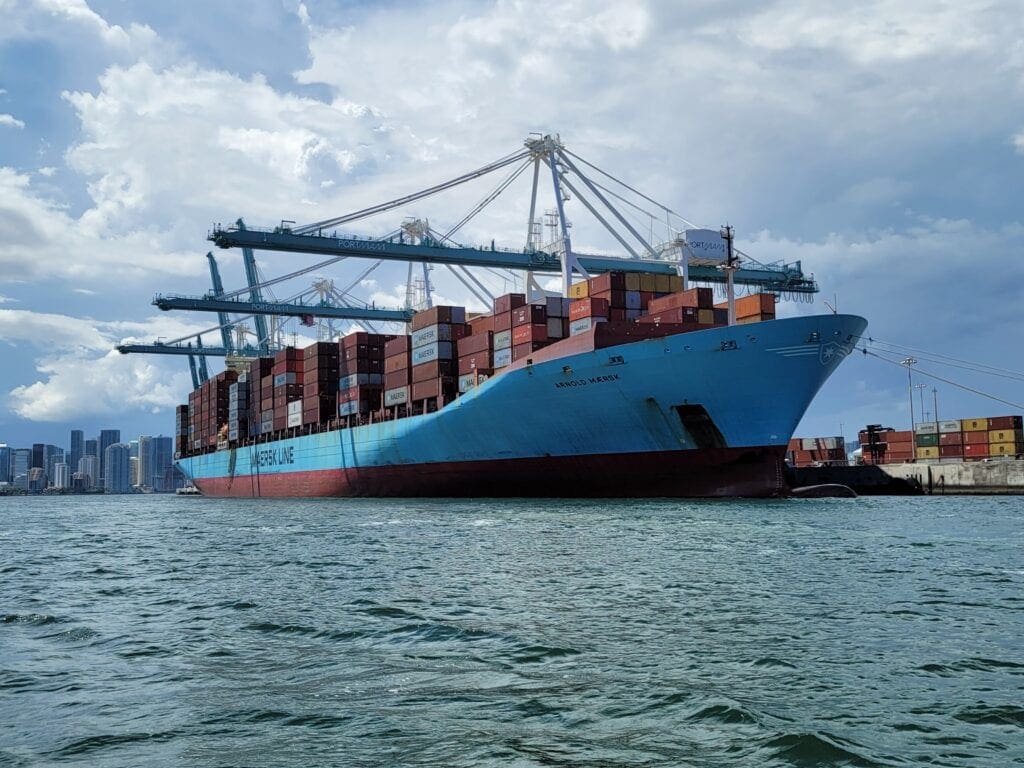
(830, 352)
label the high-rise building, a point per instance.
(89, 468)
(61, 476)
(77, 448)
(20, 464)
(38, 459)
(92, 448)
(52, 455)
(147, 476)
(6, 454)
(163, 463)
(117, 468)
(133, 470)
(108, 437)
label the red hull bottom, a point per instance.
(719, 472)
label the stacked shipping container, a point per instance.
(816, 451)
(950, 439)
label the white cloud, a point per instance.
(83, 376)
(78, 386)
(11, 120)
(1018, 142)
(40, 17)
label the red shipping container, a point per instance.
(1004, 422)
(288, 353)
(317, 388)
(951, 451)
(361, 392)
(360, 365)
(951, 438)
(320, 349)
(976, 450)
(508, 302)
(609, 281)
(477, 342)
(362, 352)
(436, 315)
(615, 298)
(524, 334)
(475, 362)
(397, 346)
(397, 379)
(678, 315)
(441, 387)
(979, 437)
(482, 323)
(617, 313)
(433, 370)
(520, 351)
(645, 298)
(901, 447)
(503, 322)
(750, 306)
(398, 362)
(588, 307)
(529, 314)
(701, 298)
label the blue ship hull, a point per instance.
(700, 414)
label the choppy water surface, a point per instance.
(174, 631)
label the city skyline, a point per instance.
(142, 462)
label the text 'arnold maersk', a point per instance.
(585, 382)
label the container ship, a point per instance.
(629, 387)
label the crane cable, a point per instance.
(938, 357)
(866, 351)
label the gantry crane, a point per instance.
(414, 242)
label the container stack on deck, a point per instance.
(397, 376)
(435, 333)
(947, 440)
(370, 377)
(261, 395)
(361, 371)
(287, 393)
(320, 381)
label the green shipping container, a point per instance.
(926, 441)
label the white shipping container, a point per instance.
(295, 406)
(503, 340)
(396, 396)
(556, 330)
(295, 419)
(583, 325)
(442, 350)
(949, 425)
(470, 381)
(808, 444)
(927, 428)
(348, 409)
(502, 357)
(353, 380)
(431, 335)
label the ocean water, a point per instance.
(188, 631)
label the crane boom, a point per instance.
(785, 277)
(218, 290)
(220, 305)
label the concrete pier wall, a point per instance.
(1000, 476)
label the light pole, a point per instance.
(935, 397)
(909, 361)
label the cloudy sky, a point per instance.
(881, 144)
